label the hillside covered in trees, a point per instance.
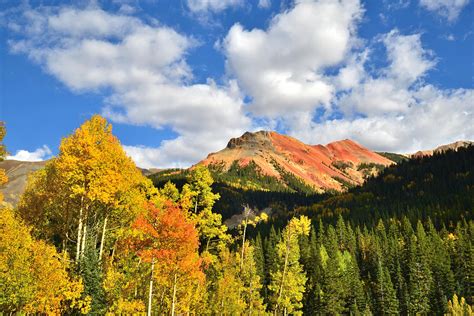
(440, 187)
(92, 235)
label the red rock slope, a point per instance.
(333, 166)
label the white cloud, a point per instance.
(440, 117)
(408, 59)
(282, 67)
(40, 154)
(214, 6)
(264, 4)
(144, 67)
(390, 91)
(396, 110)
(449, 9)
(283, 70)
(387, 108)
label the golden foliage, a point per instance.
(33, 277)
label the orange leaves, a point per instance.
(166, 235)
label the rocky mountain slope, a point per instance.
(334, 166)
(441, 149)
(17, 172)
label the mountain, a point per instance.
(452, 146)
(17, 172)
(335, 166)
(397, 158)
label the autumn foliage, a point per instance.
(168, 239)
(33, 276)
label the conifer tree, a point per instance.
(419, 273)
(270, 262)
(92, 274)
(333, 288)
(384, 293)
(259, 256)
(440, 265)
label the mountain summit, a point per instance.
(334, 166)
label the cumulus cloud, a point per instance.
(40, 154)
(408, 59)
(440, 117)
(144, 67)
(282, 68)
(389, 107)
(449, 9)
(396, 110)
(389, 92)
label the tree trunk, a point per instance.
(64, 249)
(173, 305)
(243, 244)
(79, 236)
(113, 251)
(196, 205)
(207, 244)
(150, 292)
(102, 240)
(84, 236)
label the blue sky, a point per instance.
(179, 78)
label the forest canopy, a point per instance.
(92, 235)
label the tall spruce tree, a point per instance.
(419, 274)
(384, 293)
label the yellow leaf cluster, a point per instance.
(33, 277)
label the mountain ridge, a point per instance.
(342, 152)
(442, 148)
(324, 167)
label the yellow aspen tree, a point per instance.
(91, 183)
(288, 281)
(33, 278)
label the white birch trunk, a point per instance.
(243, 244)
(150, 292)
(79, 236)
(84, 236)
(173, 305)
(102, 240)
